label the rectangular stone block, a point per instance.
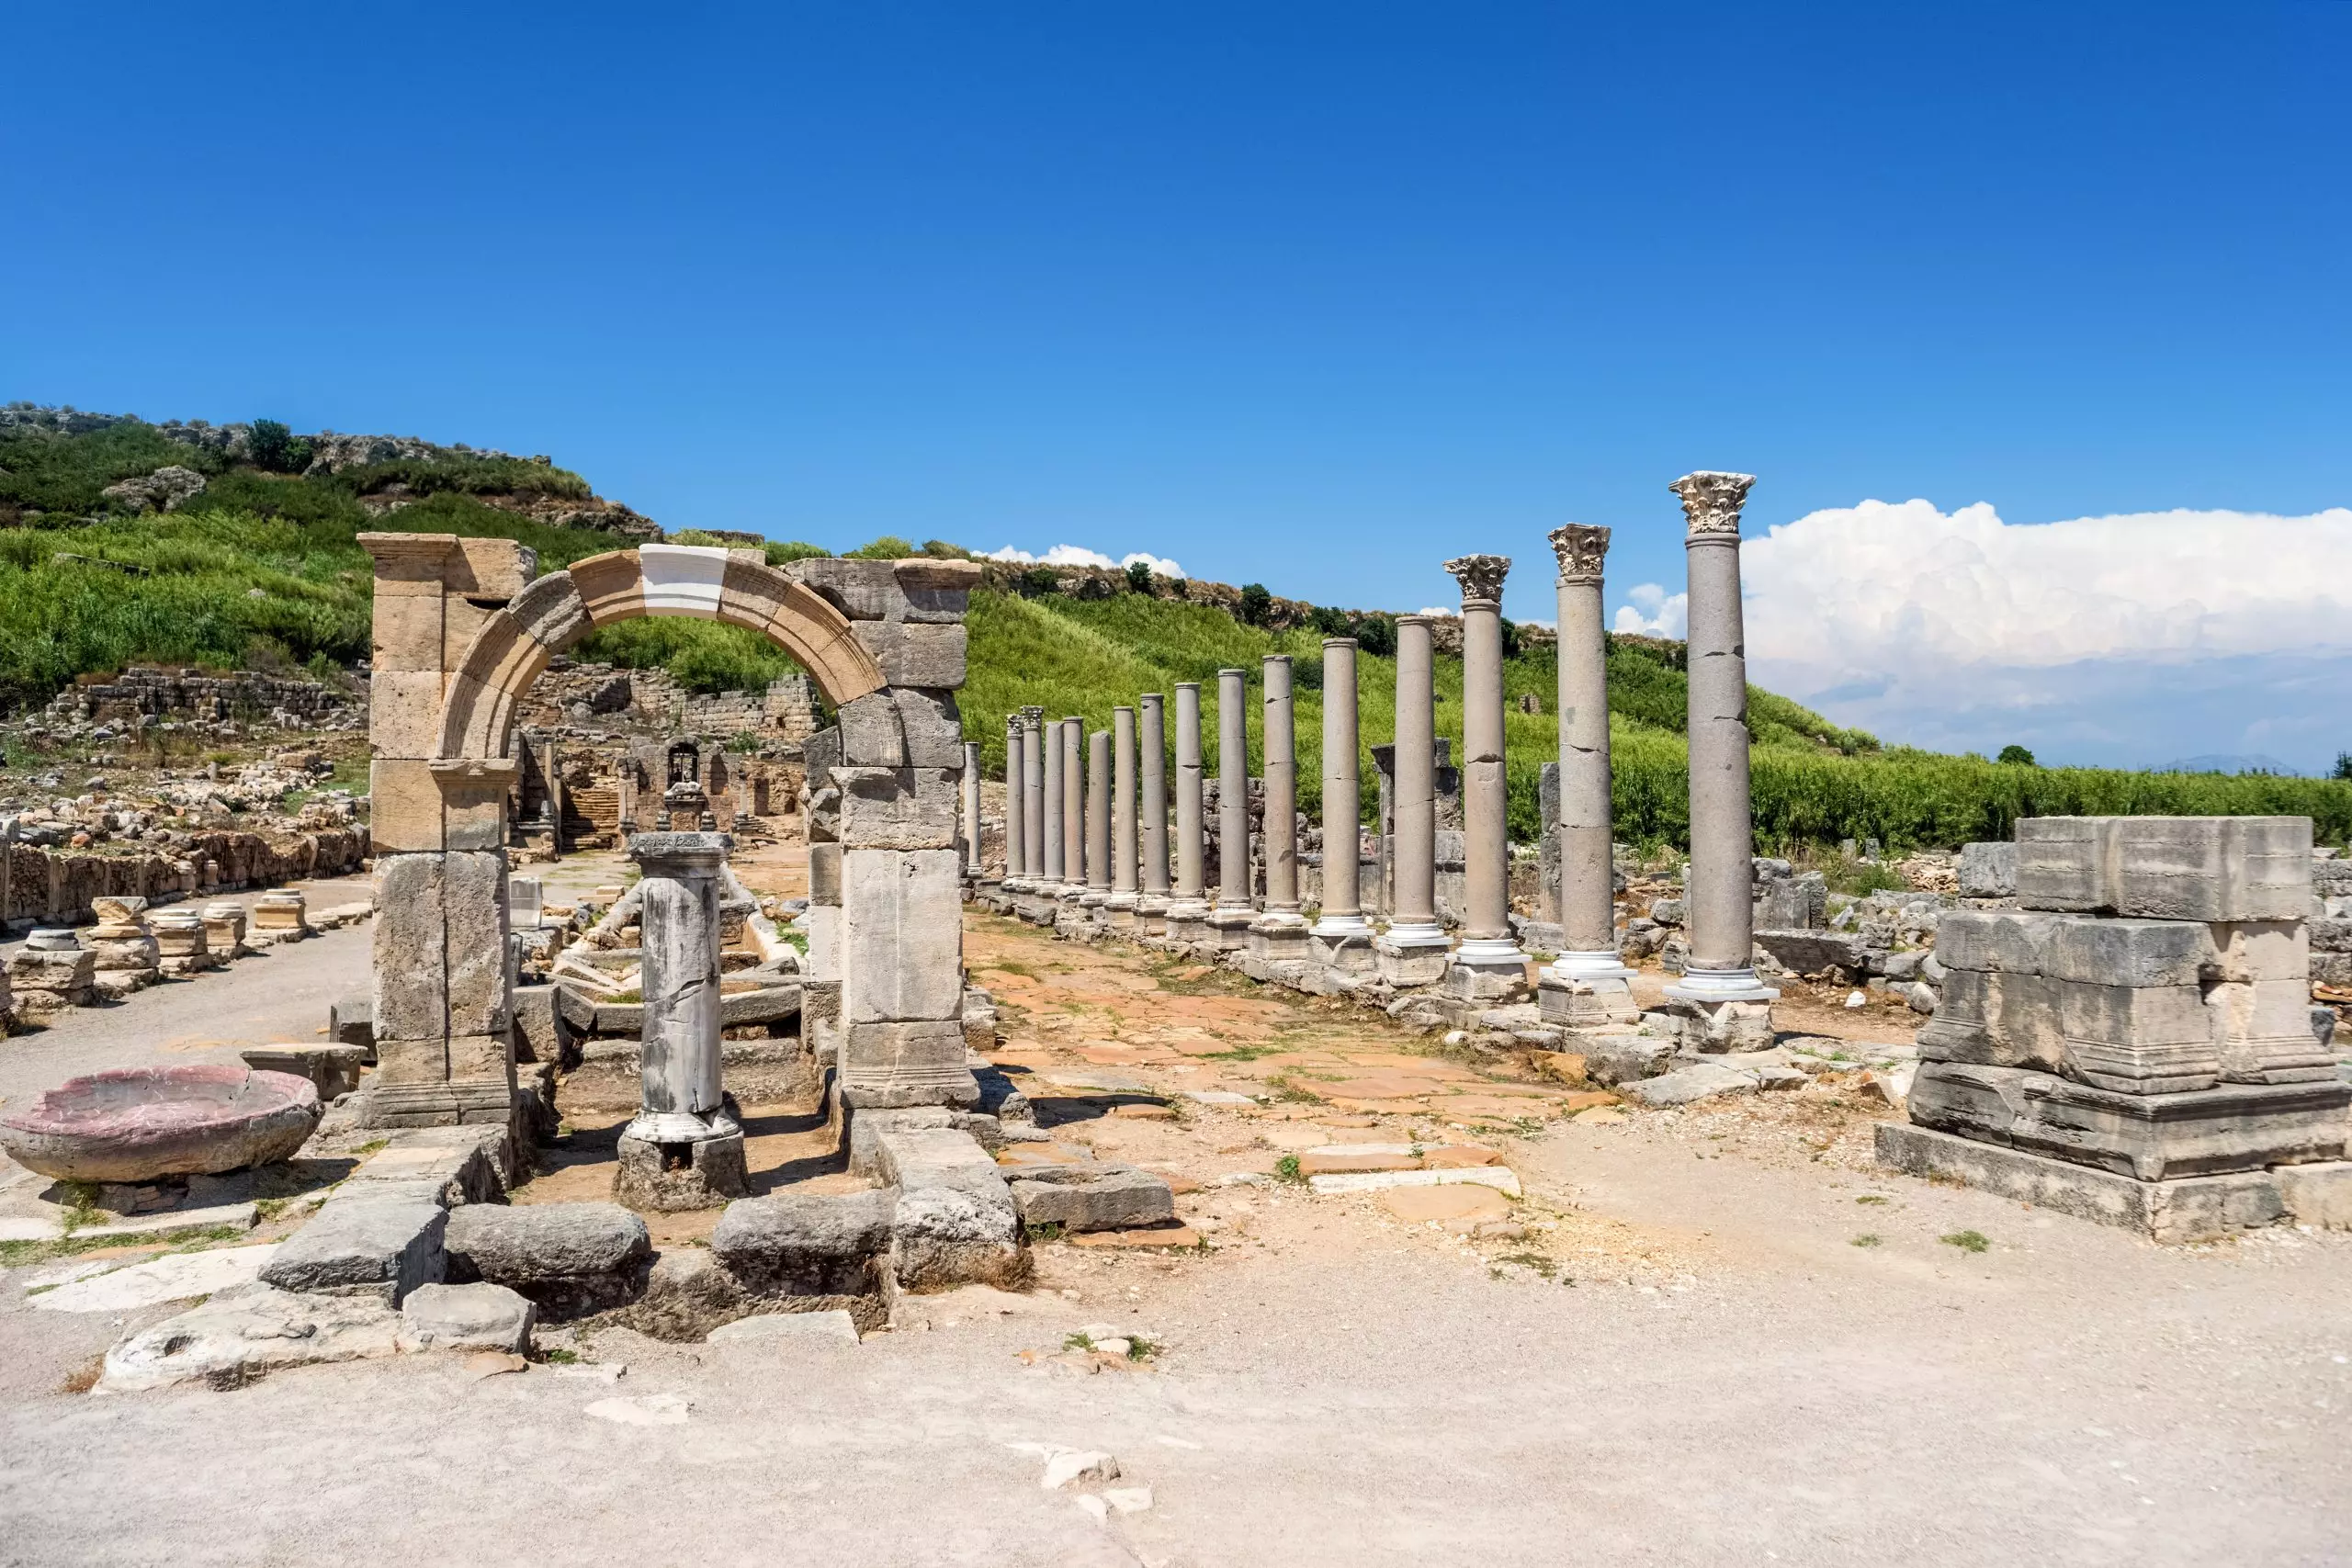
(860, 590)
(1996, 1018)
(2318, 1195)
(2262, 1033)
(1988, 870)
(933, 591)
(915, 655)
(2168, 868)
(411, 946)
(2197, 1208)
(2260, 949)
(406, 633)
(1091, 1197)
(474, 916)
(901, 935)
(356, 1245)
(403, 806)
(2138, 1039)
(897, 808)
(404, 714)
(1995, 939)
(902, 727)
(491, 569)
(2127, 952)
(825, 874)
(474, 805)
(886, 1065)
(2149, 1137)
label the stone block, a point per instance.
(550, 612)
(546, 1033)
(834, 1327)
(792, 1243)
(2259, 951)
(2168, 868)
(1815, 953)
(897, 808)
(1995, 940)
(334, 1070)
(2133, 952)
(526, 1245)
(1685, 1086)
(1092, 1197)
(915, 655)
(825, 874)
(901, 935)
(935, 591)
(450, 1165)
(2149, 1137)
(947, 1236)
(356, 1245)
(860, 590)
(491, 569)
(2138, 1039)
(241, 1336)
(411, 941)
(2319, 1195)
(405, 712)
(1996, 1019)
(474, 921)
(2196, 1208)
(403, 806)
(902, 727)
(1988, 870)
(466, 1317)
(2262, 1033)
(653, 1176)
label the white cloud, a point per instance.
(1079, 554)
(2132, 638)
(1449, 612)
(1651, 613)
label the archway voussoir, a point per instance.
(611, 587)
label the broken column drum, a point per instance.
(684, 1150)
(1587, 983)
(1123, 816)
(1342, 913)
(1016, 847)
(1413, 951)
(1229, 921)
(1151, 901)
(1719, 900)
(1032, 795)
(1487, 950)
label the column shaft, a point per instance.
(1033, 796)
(971, 803)
(1416, 850)
(1280, 825)
(1098, 813)
(1016, 802)
(1190, 861)
(1232, 792)
(1154, 809)
(1342, 804)
(679, 1050)
(1587, 891)
(1074, 803)
(1057, 785)
(1124, 852)
(1485, 930)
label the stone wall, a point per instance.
(56, 887)
(146, 694)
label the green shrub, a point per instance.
(1139, 576)
(274, 448)
(890, 546)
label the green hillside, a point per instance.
(260, 570)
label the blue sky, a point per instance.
(1313, 295)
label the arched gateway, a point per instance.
(463, 627)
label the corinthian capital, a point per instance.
(1581, 548)
(1712, 502)
(1033, 716)
(1481, 577)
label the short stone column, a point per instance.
(1228, 923)
(1413, 950)
(1279, 934)
(1188, 907)
(1342, 936)
(1053, 873)
(1729, 1007)
(971, 786)
(1587, 984)
(1097, 897)
(684, 1150)
(1151, 899)
(1123, 891)
(1487, 963)
(1016, 846)
(1033, 796)
(1073, 886)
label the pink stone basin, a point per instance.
(139, 1123)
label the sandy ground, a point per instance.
(1682, 1357)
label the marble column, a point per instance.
(1098, 820)
(1188, 906)
(1342, 937)
(1016, 808)
(1413, 950)
(685, 1149)
(1073, 884)
(971, 803)
(1124, 850)
(1731, 1008)
(1032, 797)
(1151, 899)
(1228, 923)
(1487, 961)
(1279, 934)
(1052, 871)
(1587, 984)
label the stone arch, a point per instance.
(554, 612)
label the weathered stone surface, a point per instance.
(171, 1278)
(2140, 1039)
(450, 1165)
(945, 1237)
(891, 1065)
(2318, 1194)
(915, 655)
(333, 1069)
(1816, 952)
(138, 1123)
(2168, 868)
(242, 1335)
(466, 1317)
(860, 590)
(831, 1328)
(901, 911)
(897, 808)
(523, 1245)
(902, 727)
(358, 1245)
(1685, 1085)
(2195, 1208)
(714, 1175)
(2150, 1137)
(1092, 1197)
(807, 1243)
(1996, 1019)
(1611, 1059)
(1988, 870)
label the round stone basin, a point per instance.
(139, 1123)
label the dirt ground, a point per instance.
(1678, 1347)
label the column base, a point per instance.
(1228, 927)
(1584, 1004)
(1411, 955)
(1345, 952)
(1706, 985)
(676, 1161)
(1486, 979)
(1338, 927)
(1188, 928)
(1278, 947)
(1121, 910)
(1712, 1023)
(1151, 917)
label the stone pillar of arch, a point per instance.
(463, 627)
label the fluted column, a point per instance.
(1191, 901)
(1720, 897)
(1413, 951)
(1098, 820)
(1230, 919)
(1153, 832)
(1487, 941)
(1123, 816)
(1033, 796)
(1016, 806)
(971, 804)
(1587, 983)
(1343, 913)
(1073, 808)
(1054, 873)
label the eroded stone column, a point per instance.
(1587, 984)
(1188, 908)
(1016, 806)
(1033, 796)
(1124, 850)
(971, 787)
(1097, 897)
(1487, 962)
(1073, 809)
(1279, 934)
(1342, 937)
(685, 1149)
(1054, 873)
(1413, 951)
(1151, 901)
(1228, 923)
(1730, 1007)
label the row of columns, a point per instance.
(1090, 819)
